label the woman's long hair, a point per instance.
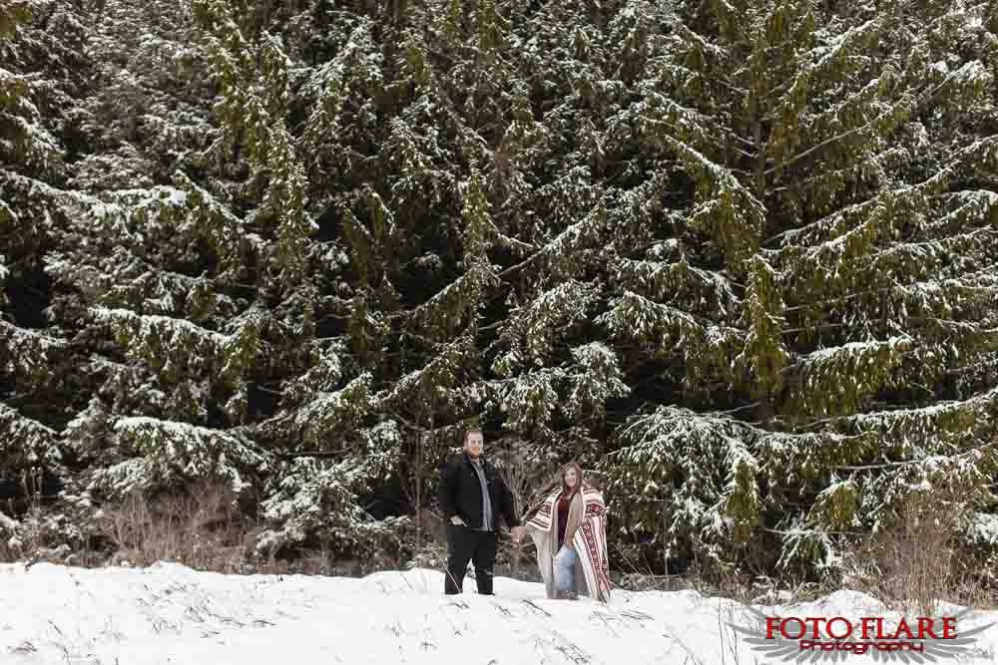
(555, 484)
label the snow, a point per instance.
(851, 349)
(171, 614)
(985, 528)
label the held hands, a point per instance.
(517, 532)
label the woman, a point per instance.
(569, 530)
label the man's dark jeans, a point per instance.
(478, 547)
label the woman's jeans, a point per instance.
(564, 569)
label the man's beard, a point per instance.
(473, 454)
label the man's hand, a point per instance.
(517, 532)
(457, 521)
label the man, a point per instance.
(472, 495)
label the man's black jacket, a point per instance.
(461, 493)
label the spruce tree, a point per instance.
(843, 203)
(735, 257)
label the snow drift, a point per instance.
(171, 614)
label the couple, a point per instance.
(568, 528)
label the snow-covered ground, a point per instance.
(170, 614)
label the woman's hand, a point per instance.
(457, 521)
(517, 533)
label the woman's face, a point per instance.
(571, 478)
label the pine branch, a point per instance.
(823, 144)
(313, 453)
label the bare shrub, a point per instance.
(32, 536)
(201, 529)
(530, 473)
(912, 563)
(432, 554)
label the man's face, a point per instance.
(474, 444)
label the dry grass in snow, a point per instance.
(168, 613)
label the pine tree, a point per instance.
(733, 256)
(807, 133)
(39, 80)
